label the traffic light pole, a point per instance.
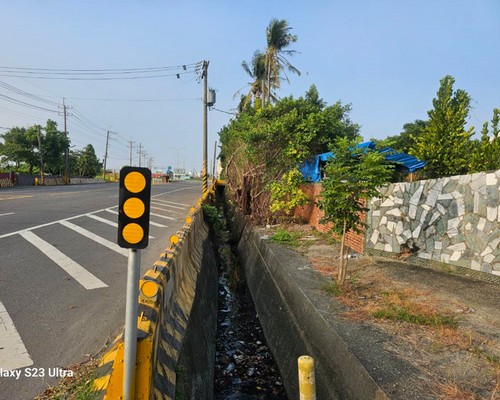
(130, 350)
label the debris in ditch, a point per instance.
(244, 365)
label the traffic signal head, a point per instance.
(133, 208)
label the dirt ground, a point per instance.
(446, 325)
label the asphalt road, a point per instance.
(63, 278)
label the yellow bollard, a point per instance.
(307, 385)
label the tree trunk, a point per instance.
(269, 81)
(343, 259)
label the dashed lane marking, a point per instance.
(75, 270)
(13, 353)
(95, 238)
(11, 213)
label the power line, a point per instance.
(135, 100)
(109, 70)
(26, 94)
(222, 111)
(92, 78)
(23, 103)
(100, 74)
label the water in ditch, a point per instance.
(244, 367)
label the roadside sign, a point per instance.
(133, 207)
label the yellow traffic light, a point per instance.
(133, 209)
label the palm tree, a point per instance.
(257, 71)
(278, 39)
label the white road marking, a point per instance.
(173, 202)
(158, 225)
(107, 221)
(150, 222)
(177, 190)
(95, 238)
(104, 220)
(77, 272)
(165, 204)
(47, 224)
(13, 353)
(11, 213)
(164, 209)
(162, 216)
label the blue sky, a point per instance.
(384, 57)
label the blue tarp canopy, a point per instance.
(311, 168)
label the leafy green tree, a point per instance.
(352, 177)
(54, 146)
(87, 163)
(405, 141)
(279, 39)
(486, 154)
(444, 143)
(21, 147)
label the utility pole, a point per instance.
(140, 153)
(131, 145)
(106, 152)
(215, 153)
(105, 156)
(205, 126)
(66, 150)
(39, 136)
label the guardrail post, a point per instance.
(307, 384)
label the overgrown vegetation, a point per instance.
(212, 215)
(261, 150)
(78, 387)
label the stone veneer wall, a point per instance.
(455, 220)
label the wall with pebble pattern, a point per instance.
(455, 220)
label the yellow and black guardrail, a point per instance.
(166, 294)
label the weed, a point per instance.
(405, 314)
(79, 387)
(284, 237)
(332, 288)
